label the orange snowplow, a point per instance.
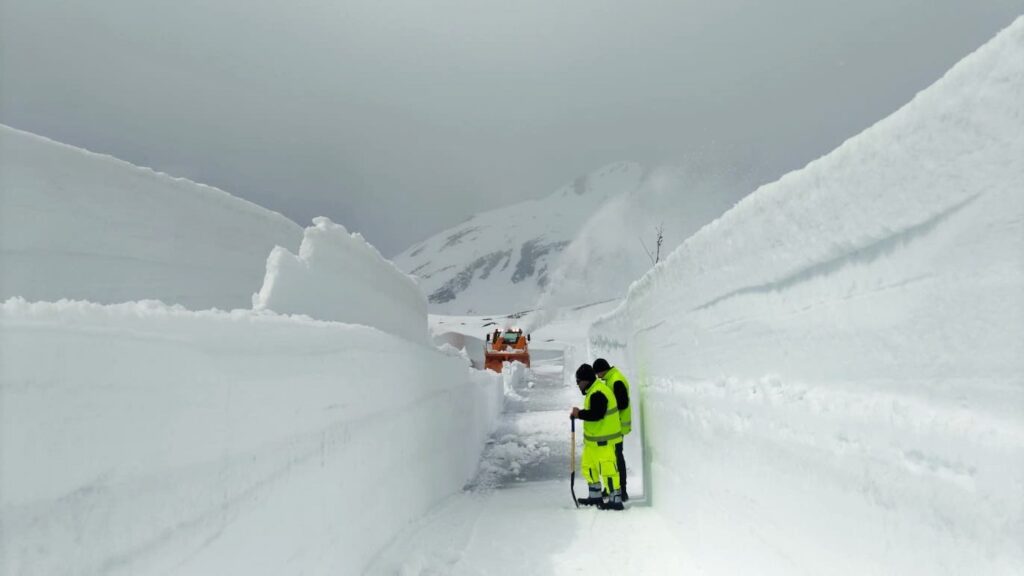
(508, 346)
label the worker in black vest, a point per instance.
(615, 380)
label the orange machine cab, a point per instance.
(508, 346)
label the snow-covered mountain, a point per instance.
(828, 377)
(501, 260)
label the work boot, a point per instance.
(625, 495)
(594, 497)
(615, 503)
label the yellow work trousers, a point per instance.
(599, 463)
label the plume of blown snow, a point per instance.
(619, 242)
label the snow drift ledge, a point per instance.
(339, 276)
(833, 372)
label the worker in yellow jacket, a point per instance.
(619, 386)
(601, 431)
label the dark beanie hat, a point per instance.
(600, 365)
(585, 373)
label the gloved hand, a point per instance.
(575, 412)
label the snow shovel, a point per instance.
(572, 463)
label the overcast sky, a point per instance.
(401, 118)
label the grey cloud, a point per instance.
(402, 118)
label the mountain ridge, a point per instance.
(501, 259)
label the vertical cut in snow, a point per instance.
(832, 374)
(74, 224)
(339, 276)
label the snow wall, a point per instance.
(833, 372)
(474, 347)
(339, 276)
(74, 224)
(142, 439)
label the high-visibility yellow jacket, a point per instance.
(625, 414)
(607, 430)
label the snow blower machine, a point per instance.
(510, 345)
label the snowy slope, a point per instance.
(139, 438)
(833, 372)
(74, 224)
(339, 276)
(500, 261)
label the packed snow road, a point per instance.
(517, 515)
